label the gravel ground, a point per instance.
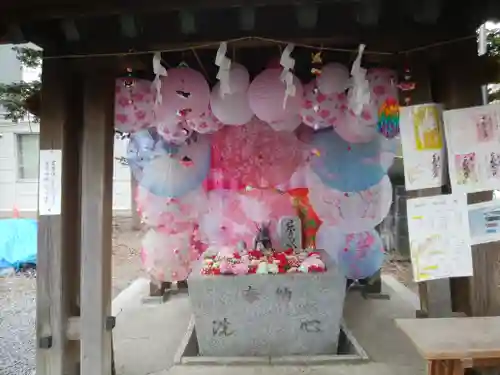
(18, 298)
(18, 301)
(17, 325)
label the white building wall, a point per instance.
(23, 194)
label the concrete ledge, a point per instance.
(350, 352)
(130, 296)
(402, 291)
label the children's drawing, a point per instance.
(466, 168)
(485, 128)
(423, 253)
(494, 165)
(436, 165)
(427, 127)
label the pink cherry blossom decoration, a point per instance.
(256, 155)
(205, 124)
(159, 258)
(353, 211)
(185, 95)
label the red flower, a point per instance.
(255, 253)
(315, 269)
(281, 258)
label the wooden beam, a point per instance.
(74, 328)
(97, 187)
(34, 9)
(307, 16)
(247, 18)
(70, 30)
(136, 217)
(427, 11)
(188, 22)
(58, 234)
(128, 26)
(369, 12)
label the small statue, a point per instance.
(263, 239)
(241, 247)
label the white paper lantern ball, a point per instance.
(230, 109)
(334, 79)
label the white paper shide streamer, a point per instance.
(159, 72)
(288, 63)
(359, 93)
(224, 64)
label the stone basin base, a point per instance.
(348, 351)
(268, 315)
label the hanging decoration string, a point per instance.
(224, 64)
(288, 63)
(159, 71)
(359, 92)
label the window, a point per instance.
(27, 156)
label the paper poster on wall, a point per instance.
(473, 142)
(484, 222)
(422, 142)
(439, 237)
(49, 190)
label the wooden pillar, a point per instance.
(435, 294)
(58, 228)
(457, 83)
(136, 218)
(96, 229)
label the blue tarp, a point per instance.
(18, 242)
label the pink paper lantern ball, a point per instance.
(185, 94)
(230, 109)
(205, 124)
(176, 134)
(286, 125)
(355, 130)
(320, 111)
(133, 104)
(334, 79)
(266, 96)
(383, 85)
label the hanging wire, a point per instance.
(268, 40)
(207, 77)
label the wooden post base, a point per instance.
(445, 367)
(156, 290)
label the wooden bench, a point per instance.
(450, 345)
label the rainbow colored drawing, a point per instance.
(388, 118)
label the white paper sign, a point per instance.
(422, 140)
(439, 237)
(484, 222)
(49, 190)
(473, 142)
